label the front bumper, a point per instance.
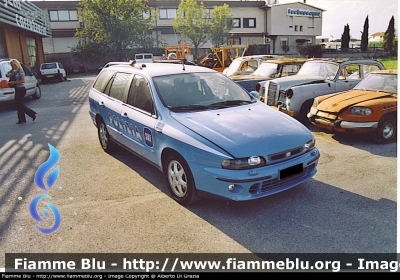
(243, 185)
(340, 125)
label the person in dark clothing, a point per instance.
(17, 80)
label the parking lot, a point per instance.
(119, 203)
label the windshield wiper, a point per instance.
(192, 107)
(229, 103)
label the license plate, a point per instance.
(50, 76)
(293, 170)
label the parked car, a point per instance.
(206, 134)
(144, 58)
(370, 107)
(31, 83)
(246, 65)
(52, 71)
(269, 69)
(294, 95)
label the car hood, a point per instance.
(295, 80)
(338, 102)
(254, 129)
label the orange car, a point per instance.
(370, 107)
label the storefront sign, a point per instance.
(25, 15)
(302, 12)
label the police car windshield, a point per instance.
(197, 91)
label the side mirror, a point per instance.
(254, 94)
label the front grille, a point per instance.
(271, 93)
(276, 184)
(285, 154)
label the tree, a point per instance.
(190, 22)
(113, 25)
(346, 37)
(388, 37)
(364, 36)
(220, 25)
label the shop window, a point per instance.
(249, 23)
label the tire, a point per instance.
(386, 131)
(180, 180)
(38, 92)
(104, 137)
(305, 108)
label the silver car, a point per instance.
(31, 83)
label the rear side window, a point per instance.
(103, 80)
(119, 87)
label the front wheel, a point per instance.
(104, 137)
(387, 130)
(305, 108)
(38, 92)
(180, 180)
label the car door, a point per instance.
(348, 77)
(140, 119)
(30, 81)
(111, 103)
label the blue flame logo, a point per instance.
(51, 179)
(35, 214)
(39, 181)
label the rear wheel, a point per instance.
(387, 130)
(104, 137)
(180, 180)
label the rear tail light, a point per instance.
(4, 84)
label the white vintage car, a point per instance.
(294, 95)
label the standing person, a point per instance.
(17, 80)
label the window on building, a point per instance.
(63, 15)
(146, 14)
(290, 21)
(301, 28)
(236, 23)
(235, 41)
(168, 13)
(32, 52)
(249, 22)
(311, 22)
(296, 28)
(207, 13)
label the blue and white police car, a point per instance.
(205, 133)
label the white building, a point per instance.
(277, 28)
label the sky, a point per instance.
(338, 13)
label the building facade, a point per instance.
(22, 27)
(277, 28)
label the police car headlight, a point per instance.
(309, 145)
(243, 163)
